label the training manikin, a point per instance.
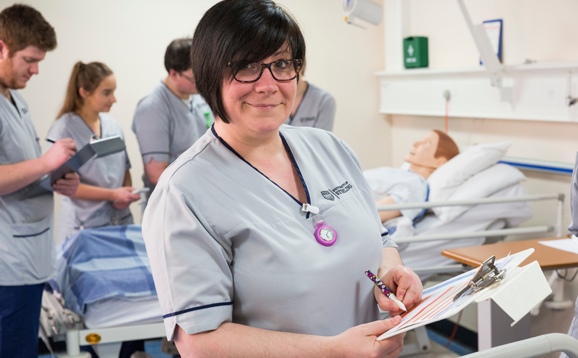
(408, 184)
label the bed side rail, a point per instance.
(533, 347)
(482, 201)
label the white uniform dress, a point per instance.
(226, 244)
(26, 224)
(107, 172)
(166, 126)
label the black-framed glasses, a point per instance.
(281, 70)
(192, 80)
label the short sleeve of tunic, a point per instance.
(152, 129)
(58, 130)
(385, 239)
(181, 241)
(326, 115)
(573, 228)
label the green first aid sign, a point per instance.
(415, 52)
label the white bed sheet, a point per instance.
(477, 218)
(123, 311)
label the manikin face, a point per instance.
(262, 106)
(184, 81)
(15, 71)
(423, 152)
(102, 98)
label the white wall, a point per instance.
(131, 38)
(544, 31)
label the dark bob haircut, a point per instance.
(243, 31)
(178, 55)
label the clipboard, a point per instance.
(517, 291)
(98, 148)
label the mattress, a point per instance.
(123, 311)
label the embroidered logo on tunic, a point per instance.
(330, 194)
(307, 119)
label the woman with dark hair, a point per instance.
(105, 190)
(259, 235)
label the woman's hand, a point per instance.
(360, 341)
(123, 197)
(405, 284)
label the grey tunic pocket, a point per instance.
(34, 247)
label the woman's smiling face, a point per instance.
(262, 106)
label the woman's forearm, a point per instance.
(390, 260)
(93, 193)
(233, 340)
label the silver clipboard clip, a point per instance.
(487, 275)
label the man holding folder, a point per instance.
(26, 223)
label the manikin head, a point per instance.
(428, 154)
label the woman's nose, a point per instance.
(266, 83)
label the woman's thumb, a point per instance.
(378, 328)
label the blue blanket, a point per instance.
(96, 264)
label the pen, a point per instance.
(50, 140)
(386, 291)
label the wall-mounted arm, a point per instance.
(489, 58)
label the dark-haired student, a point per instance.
(26, 223)
(172, 116)
(252, 253)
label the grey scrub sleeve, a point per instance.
(166, 126)
(573, 228)
(226, 244)
(107, 172)
(317, 109)
(26, 224)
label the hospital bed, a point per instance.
(533, 347)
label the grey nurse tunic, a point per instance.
(26, 224)
(226, 244)
(107, 172)
(317, 109)
(166, 126)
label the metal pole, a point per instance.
(483, 201)
(560, 216)
(465, 235)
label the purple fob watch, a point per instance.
(325, 234)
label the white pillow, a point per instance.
(447, 178)
(481, 185)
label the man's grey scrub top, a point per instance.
(166, 126)
(317, 109)
(573, 228)
(26, 224)
(226, 244)
(106, 172)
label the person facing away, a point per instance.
(172, 116)
(105, 191)
(314, 106)
(27, 254)
(573, 228)
(231, 229)
(409, 185)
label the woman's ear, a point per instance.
(83, 93)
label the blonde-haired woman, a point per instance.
(105, 190)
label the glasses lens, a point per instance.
(250, 72)
(283, 69)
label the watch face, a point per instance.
(326, 234)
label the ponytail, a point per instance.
(87, 76)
